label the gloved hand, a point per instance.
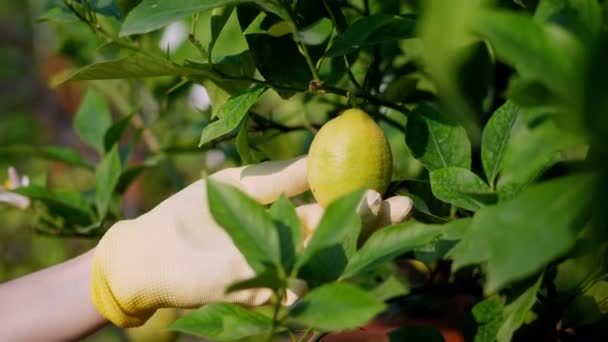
(177, 256)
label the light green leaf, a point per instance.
(494, 139)
(290, 230)
(390, 242)
(92, 120)
(516, 311)
(489, 316)
(106, 179)
(435, 141)
(540, 52)
(316, 33)
(457, 186)
(523, 223)
(223, 322)
(247, 222)
(150, 15)
(336, 307)
(529, 152)
(231, 114)
(64, 203)
(135, 66)
(219, 17)
(333, 242)
(371, 30)
(242, 143)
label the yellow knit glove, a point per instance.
(177, 256)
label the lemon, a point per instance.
(348, 153)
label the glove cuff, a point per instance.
(107, 305)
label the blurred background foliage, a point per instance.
(48, 129)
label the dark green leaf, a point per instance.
(55, 153)
(416, 333)
(336, 307)
(370, 30)
(279, 61)
(290, 230)
(223, 322)
(65, 203)
(390, 242)
(333, 242)
(92, 120)
(115, 132)
(435, 141)
(494, 139)
(531, 94)
(558, 206)
(455, 185)
(153, 14)
(452, 232)
(516, 311)
(247, 222)
(267, 279)
(107, 175)
(231, 114)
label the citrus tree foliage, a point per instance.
(496, 112)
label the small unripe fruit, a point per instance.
(348, 153)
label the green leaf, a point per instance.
(223, 322)
(333, 242)
(279, 61)
(267, 279)
(135, 66)
(231, 114)
(531, 94)
(452, 232)
(516, 311)
(489, 316)
(219, 17)
(92, 120)
(371, 30)
(242, 143)
(67, 204)
(55, 153)
(529, 152)
(113, 134)
(153, 14)
(445, 32)
(416, 333)
(435, 141)
(455, 185)
(542, 223)
(390, 242)
(290, 230)
(537, 51)
(107, 175)
(247, 222)
(316, 33)
(494, 139)
(335, 307)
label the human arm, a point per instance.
(53, 304)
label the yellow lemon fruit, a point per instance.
(348, 153)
